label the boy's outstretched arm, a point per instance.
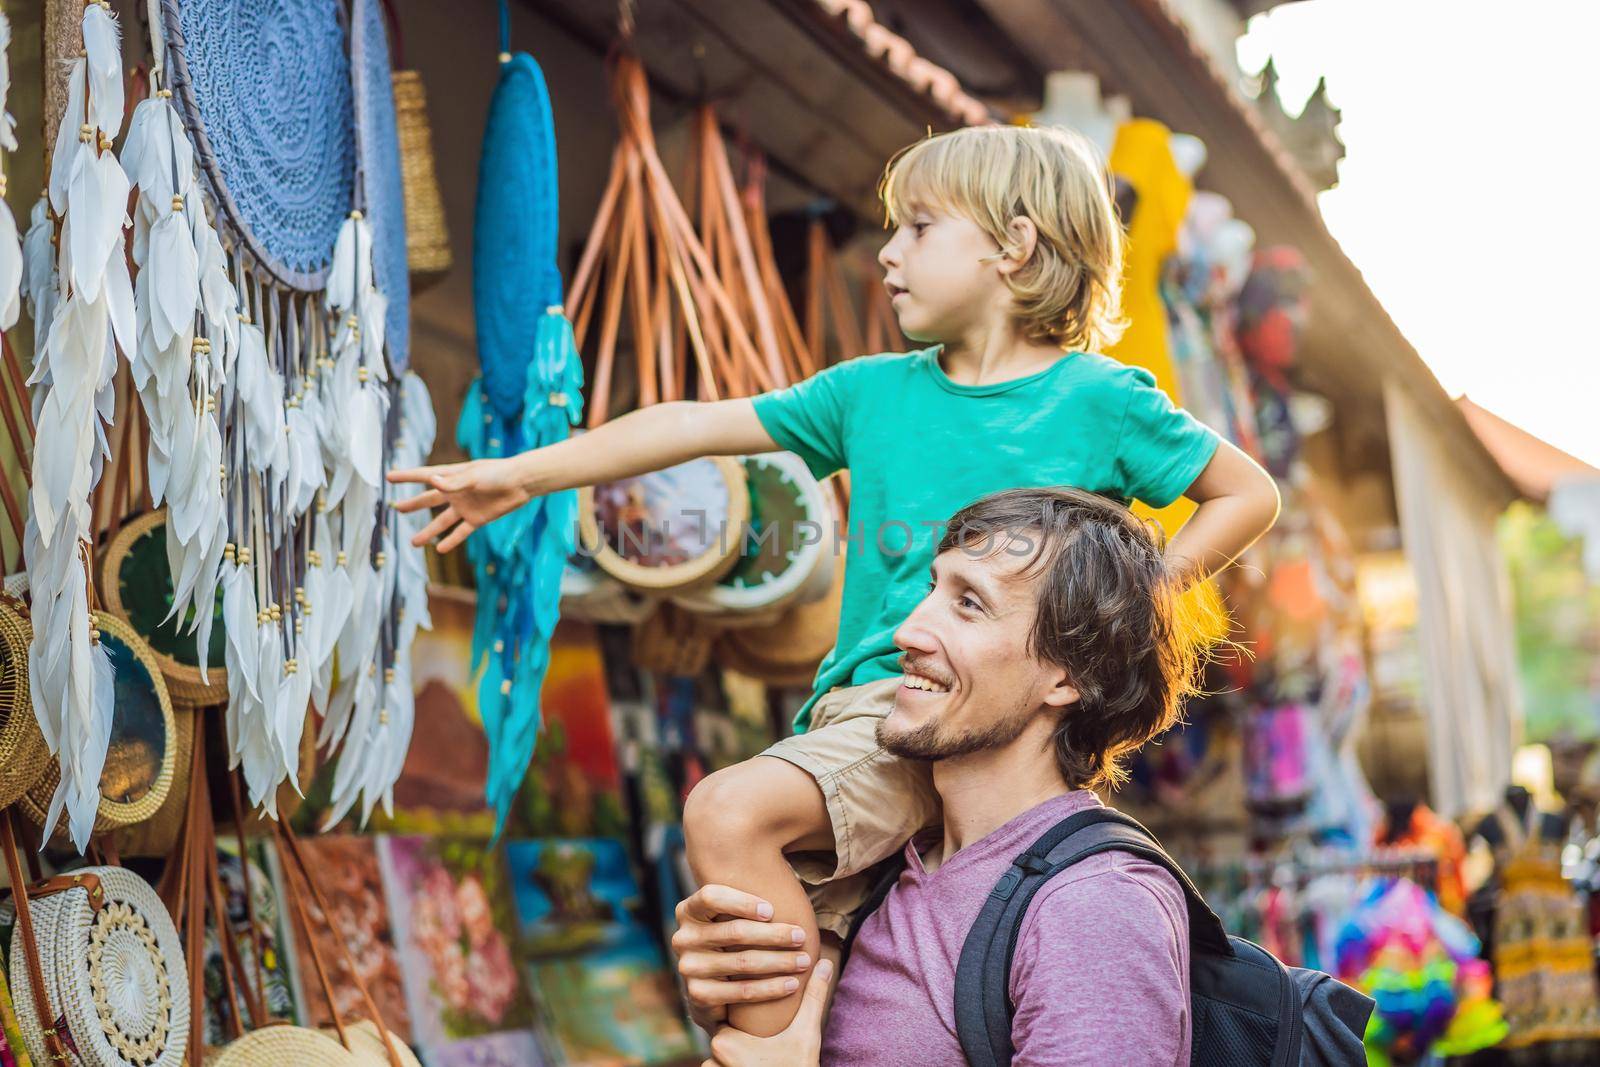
(479, 491)
(1238, 503)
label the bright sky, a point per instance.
(1469, 195)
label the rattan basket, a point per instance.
(427, 238)
(673, 641)
(366, 1045)
(23, 754)
(158, 835)
(114, 970)
(283, 1046)
(787, 652)
(141, 762)
(137, 586)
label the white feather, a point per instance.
(67, 143)
(103, 47)
(11, 269)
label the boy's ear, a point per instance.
(1024, 239)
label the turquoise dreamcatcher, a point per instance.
(528, 395)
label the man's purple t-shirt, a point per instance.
(1101, 973)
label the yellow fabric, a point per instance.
(1142, 157)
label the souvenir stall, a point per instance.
(278, 784)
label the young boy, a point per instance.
(1006, 259)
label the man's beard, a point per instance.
(927, 742)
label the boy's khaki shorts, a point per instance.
(875, 800)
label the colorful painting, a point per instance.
(605, 995)
(453, 929)
(271, 923)
(574, 784)
(349, 874)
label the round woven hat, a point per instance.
(136, 581)
(116, 975)
(22, 749)
(283, 1046)
(265, 94)
(141, 760)
(366, 1045)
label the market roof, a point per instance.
(1533, 464)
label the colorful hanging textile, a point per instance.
(1142, 160)
(528, 395)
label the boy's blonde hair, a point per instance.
(1070, 290)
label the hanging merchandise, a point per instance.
(1543, 958)
(136, 581)
(1198, 286)
(781, 548)
(137, 773)
(1273, 306)
(529, 395)
(22, 749)
(98, 969)
(677, 529)
(1420, 964)
(10, 242)
(308, 327)
(427, 240)
(74, 365)
(1152, 196)
(370, 710)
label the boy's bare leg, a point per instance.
(738, 823)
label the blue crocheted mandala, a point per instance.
(264, 90)
(382, 187)
(514, 274)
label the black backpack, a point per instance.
(1247, 1008)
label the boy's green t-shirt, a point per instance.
(919, 447)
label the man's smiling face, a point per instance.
(971, 679)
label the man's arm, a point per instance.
(1238, 503)
(1101, 973)
(662, 435)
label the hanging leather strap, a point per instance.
(298, 907)
(55, 1043)
(287, 837)
(260, 1012)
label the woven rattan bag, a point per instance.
(113, 972)
(136, 581)
(141, 760)
(23, 755)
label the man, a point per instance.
(1046, 649)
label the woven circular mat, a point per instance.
(23, 754)
(136, 581)
(141, 760)
(264, 90)
(383, 188)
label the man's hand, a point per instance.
(475, 493)
(798, 1046)
(731, 952)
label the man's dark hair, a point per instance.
(1109, 612)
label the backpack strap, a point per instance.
(983, 974)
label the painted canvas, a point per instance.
(454, 930)
(605, 995)
(574, 784)
(348, 871)
(273, 977)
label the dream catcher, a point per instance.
(84, 314)
(528, 395)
